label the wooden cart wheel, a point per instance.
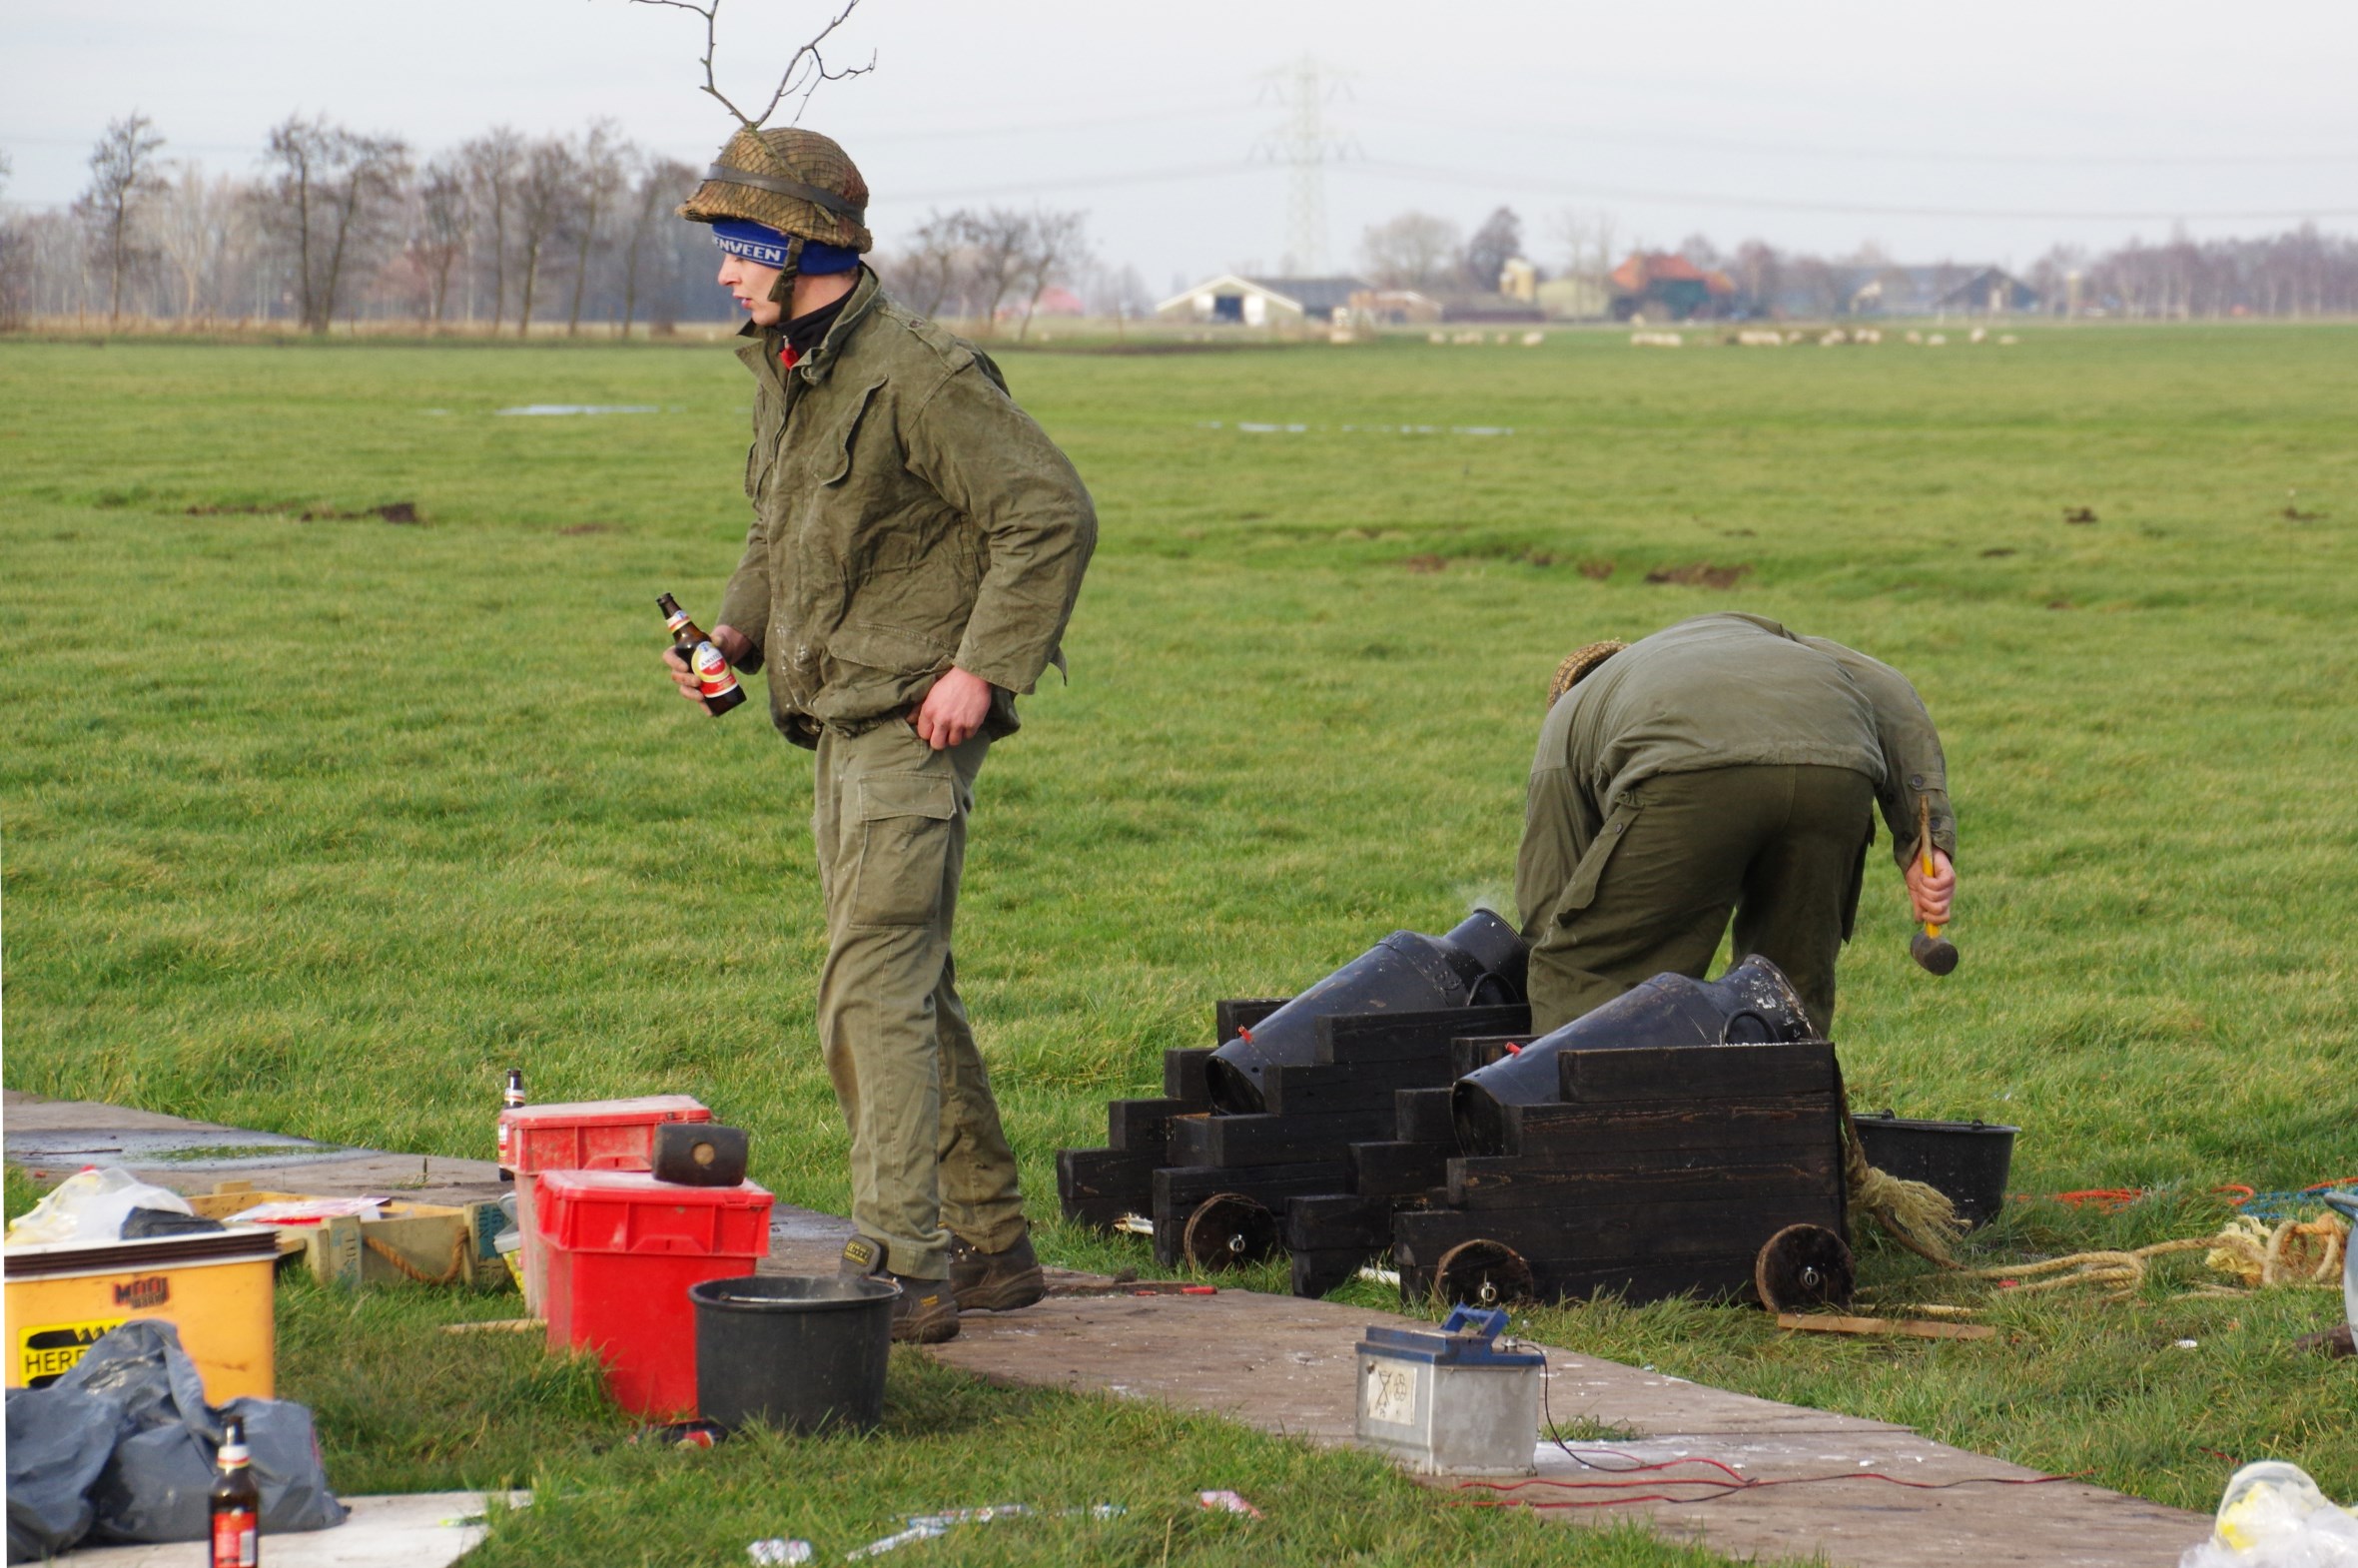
(1229, 1230)
(1482, 1273)
(1802, 1267)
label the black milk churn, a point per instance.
(1480, 961)
(1752, 1004)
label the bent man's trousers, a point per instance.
(1782, 847)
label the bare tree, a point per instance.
(659, 183)
(337, 195)
(926, 273)
(1587, 243)
(446, 218)
(805, 69)
(124, 180)
(199, 223)
(1413, 251)
(1053, 243)
(494, 163)
(1760, 273)
(1697, 248)
(998, 242)
(16, 255)
(1498, 241)
(543, 201)
(602, 173)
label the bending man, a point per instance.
(1723, 765)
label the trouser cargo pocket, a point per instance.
(903, 845)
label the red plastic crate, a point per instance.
(590, 1135)
(622, 1249)
(587, 1135)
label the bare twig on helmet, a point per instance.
(804, 72)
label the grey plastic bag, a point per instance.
(154, 1487)
(58, 1442)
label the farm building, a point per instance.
(1393, 307)
(1991, 291)
(1575, 296)
(1943, 287)
(1262, 302)
(1659, 284)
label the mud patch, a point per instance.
(392, 511)
(1701, 575)
(1426, 565)
(2079, 514)
(1998, 551)
(1596, 570)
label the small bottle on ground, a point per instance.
(512, 1098)
(715, 682)
(234, 1502)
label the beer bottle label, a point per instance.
(233, 1532)
(714, 678)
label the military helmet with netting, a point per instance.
(791, 180)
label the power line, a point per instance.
(1083, 182)
(1645, 195)
(1864, 153)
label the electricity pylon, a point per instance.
(1306, 144)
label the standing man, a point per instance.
(1720, 765)
(916, 547)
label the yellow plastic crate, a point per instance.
(62, 1298)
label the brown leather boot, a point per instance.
(995, 1282)
(927, 1311)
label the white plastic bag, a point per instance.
(2273, 1516)
(90, 1205)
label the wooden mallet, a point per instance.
(1928, 947)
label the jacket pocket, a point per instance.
(906, 823)
(1581, 891)
(833, 464)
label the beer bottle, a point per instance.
(715, 682)
(509, 1098)
(235, 1503)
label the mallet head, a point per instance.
(1937, 954)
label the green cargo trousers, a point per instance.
(929, 1157)
(1784, 847)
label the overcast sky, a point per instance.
(1981, 131)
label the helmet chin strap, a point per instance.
(782, 292)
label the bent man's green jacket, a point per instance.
(907, 516)
(1723, 691)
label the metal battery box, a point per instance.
(1450, 1401)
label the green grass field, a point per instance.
(319, 824)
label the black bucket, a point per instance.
(1752, 1004)
(794, 1351)
(1965, 1161)
(1480, 961)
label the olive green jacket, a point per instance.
(1721, 690)
(907, 516)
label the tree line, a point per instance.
(2302, 272)
(504, 232)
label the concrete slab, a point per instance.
(415, 1530)
(191, 1157)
